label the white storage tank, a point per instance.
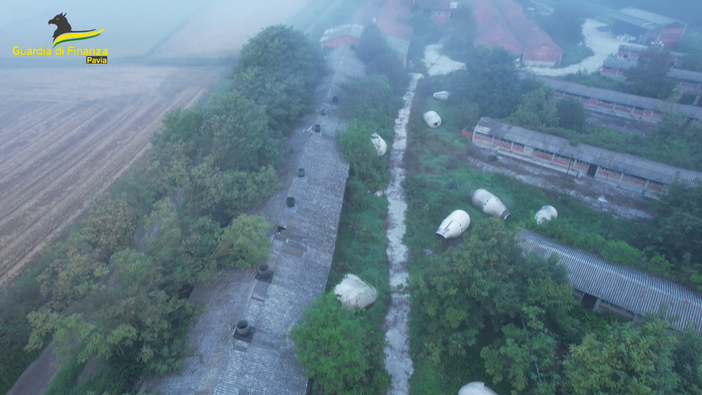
(546, 213)
(380, 145)
(432, 119)
(476, 388)
(454, 225)
(489, 203)
(354, 293)
(442, 96)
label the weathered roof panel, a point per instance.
(622, 98)
(644, 19)
(630, 289)
(625, 163)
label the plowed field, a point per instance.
(67, 134)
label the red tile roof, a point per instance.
(504, 23)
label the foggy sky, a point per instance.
(168, 28)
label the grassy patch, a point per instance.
(434, 158)
(575, 54)
(360, 246)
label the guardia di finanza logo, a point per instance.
(64, 33)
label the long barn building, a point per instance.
(618, 169)
(618, 103)
(690, 81)
(604, 287)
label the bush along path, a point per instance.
(397, 358)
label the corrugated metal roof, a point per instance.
(630, 289)
(350, 29)
(622, 98)
(625, 163)
(619, 63)
(685, 75)
(676, 74)
(644, 19)
(640, 48)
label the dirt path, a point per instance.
(67, 134)
(397, 358)
(603, 44)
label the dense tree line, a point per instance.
(117, 288)
(534, 337)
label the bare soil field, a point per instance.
(67, 134)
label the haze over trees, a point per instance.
(118, 287)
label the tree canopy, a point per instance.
(650, 75)
(335, 345)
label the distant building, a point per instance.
(631, 51)
(348, 34)
(439, 10)
(687, 80)
(647, 27)
(504, 23)
(617, 169)
(619, 104)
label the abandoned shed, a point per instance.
(620, 170)
(616, 68)
(617, 289)
(647, 27)
(618, 103)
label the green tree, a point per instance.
(244, 243)
(490, 81)
(564, 25)
(357, 149)
(693, 60)
(129, 316)
(336, 348)
(462, 28)
(627, 360)
(279, 69)
(536, 109)
(370, 102)
(372, 44)
(515, 357)
(650, 75)
(109, 226)
(75, 272)
(235, 133)
(459, 293)
(687, 359)
(571, 114)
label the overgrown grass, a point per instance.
(360, 246)
(575, 54)
(434, 158)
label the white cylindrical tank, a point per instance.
(442, 96)
(380, 145)
(489, 204)
(476, 388)
(454, 225)
(432, 119)
(353, 292)
(546, 213)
